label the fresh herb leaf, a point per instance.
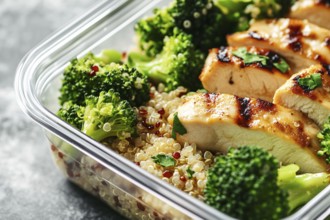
(249, 58)
(164, 160)
(311, 82)
(282, 66)
(177, 126)
(324, 138)
(190, 173)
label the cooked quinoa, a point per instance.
(154, 137)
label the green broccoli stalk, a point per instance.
(239, 13)
(199, 18)
(109, 56)
(90, 75)
(179, 63)
(301, 188)
(108, 116)
(247, 183)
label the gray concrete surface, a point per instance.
(30, 185)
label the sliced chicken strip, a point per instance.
(218, 121)
(224, 72)
(301, 43)
(313, 102)
(315, 11)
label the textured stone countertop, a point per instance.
(30, 185)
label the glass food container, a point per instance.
(127, 188)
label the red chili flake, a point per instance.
(183, 178)
(97, 166)
(104, 183)
(152, 95)
(155, 213)
(137, 163)
(157, 217)
(143, 111)
(176, 155)
(69, 172)
(146, 125)
(53, 147)
(144, 122)
(117, 202)
(96, 189)
(150, 127)
(140, 206)
(158, 124)
(92, 73)
(167, 174)
(60, 155)
(123, 55)
(94, 69)
(157, 133)
(161, 111)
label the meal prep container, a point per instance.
(127, 188)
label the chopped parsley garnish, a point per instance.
(164, 160)
(310, 82)
(282, 65)
(249, 58)
(190, 173)
(177, 126)
(324, 137)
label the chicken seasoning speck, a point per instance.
(244, 109)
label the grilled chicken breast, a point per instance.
(301, 43)
(313, 102)
(315, 11)
(219, 121)
(224, 72)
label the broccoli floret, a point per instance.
(152, 30)
(108, 116)
(100, 117)
(202, 19)
(239, 13)
(243, 184)
(324, 137)
(199, 18)
(91, 75)
(179, 63)
(72, 113)
(247, 183)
